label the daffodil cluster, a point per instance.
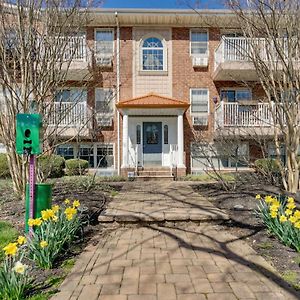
(71, 211)
(14, 279)
(281, 217)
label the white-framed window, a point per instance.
(199, 99)
(104, 100)
(71, 94)
(219, 155)
(198, 42)
(153, 54)
(272, 153)
(235, 94)
(105, 156)
(104, 42)
(67, 151)
(86, 152)
(98, 155)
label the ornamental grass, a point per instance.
(282, 218)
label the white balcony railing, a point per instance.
(238, 49)
(74, 47)
(70, 114)
(237, 115)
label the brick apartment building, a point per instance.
(159, 80)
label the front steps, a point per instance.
(154, 173)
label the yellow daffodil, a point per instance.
(291, 205)
(274, 208)
(273, 214)
(38, 222)
(11, 249)
(19, 268)
(43, 244)
(288, 212)
(297, 225)
(76, 203)
(47, 214)
(290, 200)
(31, 222)
(297, 214)
(282, 219)
(21, 240)
(55, 208)
(258, 197)
(293, 219)
(70, 212)
(269, 199)
(67, 201)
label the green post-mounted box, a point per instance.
(28, 133)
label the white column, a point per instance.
(180, 141)
(125, 141)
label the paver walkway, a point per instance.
(184, 261)
(158, 202)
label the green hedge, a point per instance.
(51, 166)
(4, 169)
(267, 166)
(76, 166)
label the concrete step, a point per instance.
(154, 168)
(154, 173)
(154, 177)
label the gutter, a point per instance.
(118, 91)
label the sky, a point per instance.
(163, 4)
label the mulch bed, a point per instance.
(240, 205)
(92, 203)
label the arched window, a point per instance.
(153, 54)
(166, 134)
(138, 134)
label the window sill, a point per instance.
(153, 73)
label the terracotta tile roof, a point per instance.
(152, 101)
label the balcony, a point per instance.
(236, 118)
(70, 119)
(232, 62)
(75, 50)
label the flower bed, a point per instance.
(282, 218)
(53, 234)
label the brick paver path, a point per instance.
(159, 202)
(182, 261)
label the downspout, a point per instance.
(118, 91)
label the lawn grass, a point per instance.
(207, 178)
(7, 234)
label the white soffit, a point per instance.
(174, 18)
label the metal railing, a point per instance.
(74, 47)
(235, 114)
(69, 114)
(239, 49)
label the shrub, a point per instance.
(54, 232)
(281, 219)
(76, 166)
(4, 169)
(269, 168)
(267, 165)
(51, 166)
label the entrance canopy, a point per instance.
(152, 104)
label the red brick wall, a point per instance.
(186, 77)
